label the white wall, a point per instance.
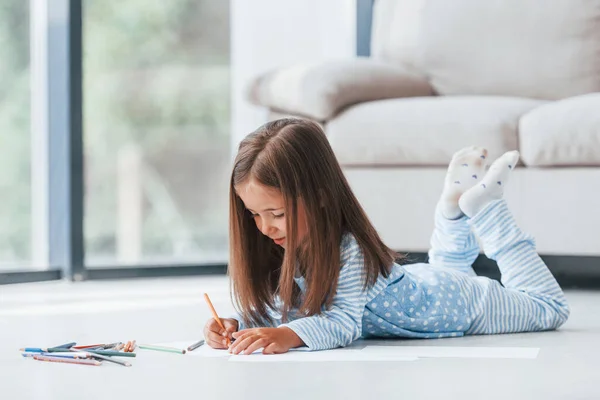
(267, 34)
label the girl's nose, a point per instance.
(267, 229)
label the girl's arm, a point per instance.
(342, 324)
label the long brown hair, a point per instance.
(294, 157)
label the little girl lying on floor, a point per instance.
(308, 268)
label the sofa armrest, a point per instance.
(320, 91)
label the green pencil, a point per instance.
(161, 348)
(111, 353)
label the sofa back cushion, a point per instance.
(528, 48)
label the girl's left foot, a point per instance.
(465, 170)
(491, 186)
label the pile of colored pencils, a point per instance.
(93, 354)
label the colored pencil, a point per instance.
(129, 347)
(216, 316)
(118, 347)
(110, 345)
(161, 348)
(33, 349)
(67, 355)
(33, 354)
(44, 349)
(195, 345)
(87, 346)
(111, 353)
(105, 358)
(66, 360)
(66, 345)
(64, 355)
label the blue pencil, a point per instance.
(33, 350)
(45, 349)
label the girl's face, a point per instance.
(268, 210)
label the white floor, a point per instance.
(164, 310)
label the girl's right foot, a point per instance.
(491, 186)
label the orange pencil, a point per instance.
(216, 316)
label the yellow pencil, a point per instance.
(216, 316)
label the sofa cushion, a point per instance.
(526, 48)
(425, 131)
(565, 132)
(319, 91)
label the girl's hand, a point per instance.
(215, 336)
(272, 340)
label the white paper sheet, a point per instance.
(301, 354)
(453, 352)
(318, 356)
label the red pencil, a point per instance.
(87, 346)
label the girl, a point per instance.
(308, 268)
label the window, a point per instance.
(156, 117)
(15, 138)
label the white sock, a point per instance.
(491, 186)
(465, 170)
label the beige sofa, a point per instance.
(444, 74)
